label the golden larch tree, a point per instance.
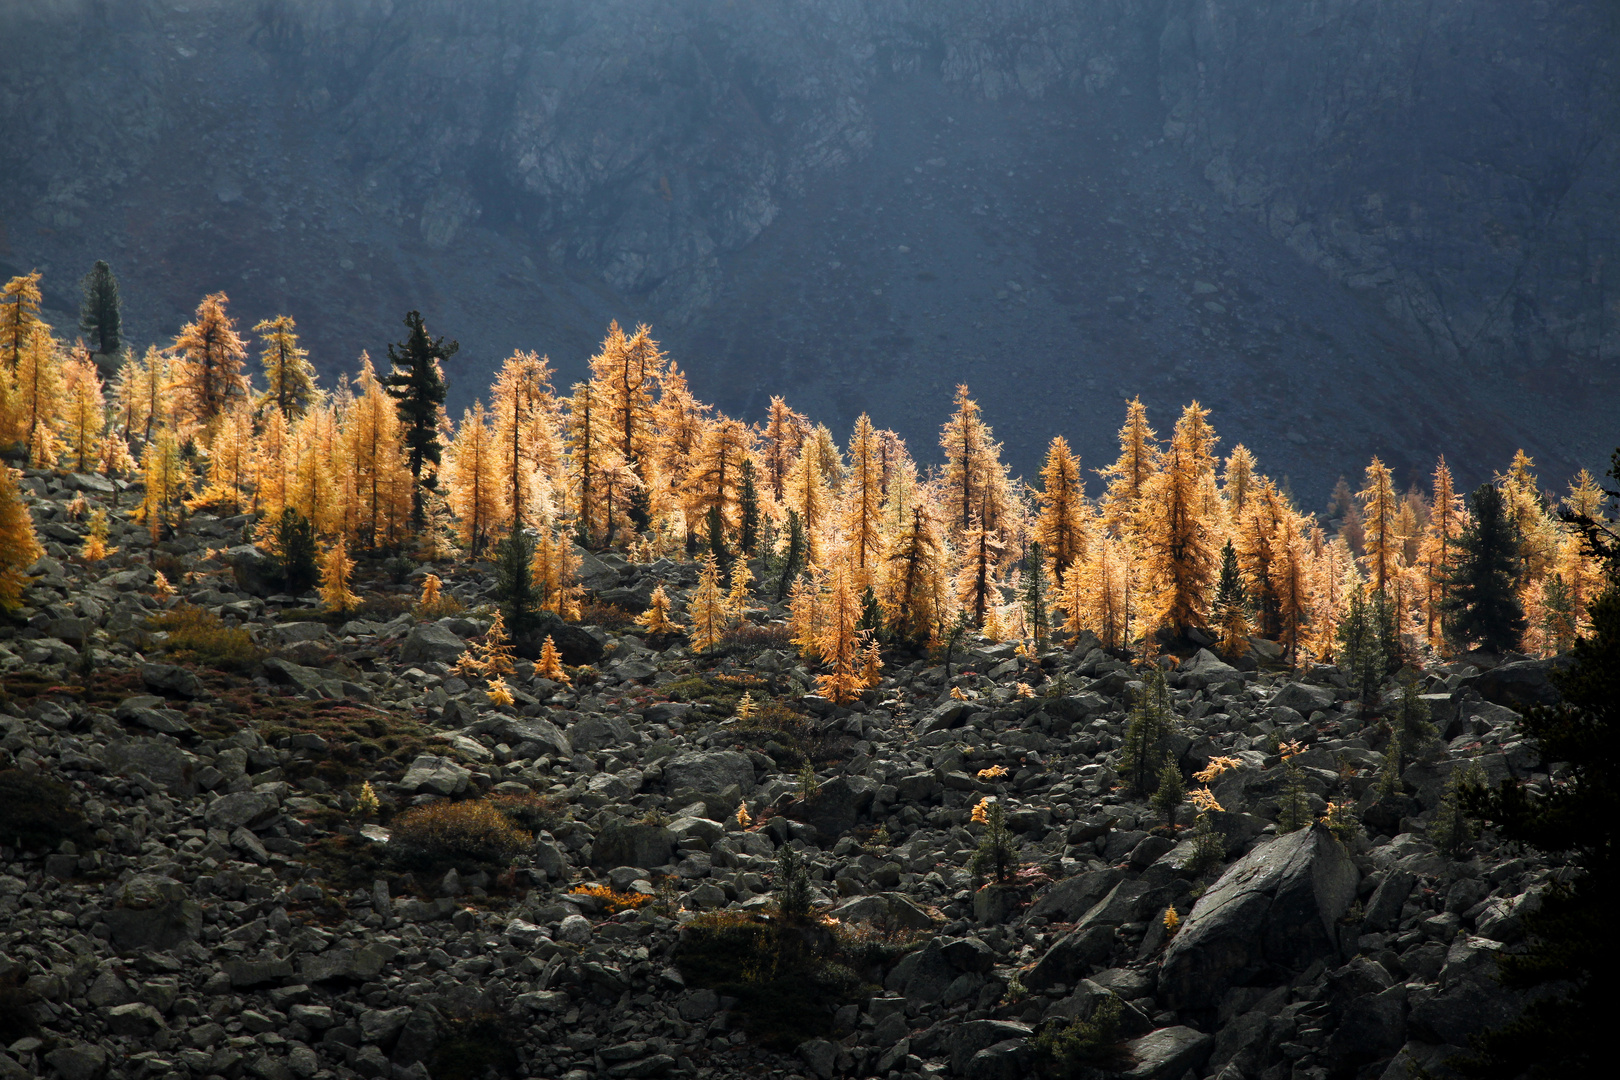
(287, 370)
(1060, 525)
(166, 476)
(318, 463)
(839, 645)
(272, 467)
(680, 421)
(916, 578)
(336, 569)
(379, 475)
(553, 568)
(974, 481)
(230, 460)
(38, 400)
(473, 480)
(1382, 543)
(207, 373)
(19, 546)
(586, 446)
(143, 393)
(84, 415)
(706, 610)
(863, 503)
(1179, 527)
(1446, 519)
(808, 495)
(523, 408)
(626, 374)
(19, 316)
(1138, 460)
(784, 434)
(714, 483)
(1237, 481)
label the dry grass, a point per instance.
(470, 834)
(201, 637)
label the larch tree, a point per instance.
(627, 373)
(473, 480)
(319, 461)
(385, 491)
(1237, 482)
(207, 372)
(230, 459)
(1381, 542)
(19, 546)
(621, 493)
(1138, 460)
(784, 434)
(1291, 578)
(143, 393)
(976, 581)
(1229, 611)
(336, 569)
(1060, 526)
(1257, 555)
(706, 610)
(553, 570)
(863, 503)
(916, 579)
(288, 374)
(19, 315)
(416, 383)
(680, 421)
(272, 468)
(585, 450)
(84, 415)
(100, 316)
(715, 483)
(166, 477)
(1446, 516)
(37, 403)
(1177, 526)
(974, 482)
(808, 496)
(838, 645)
(524, 410)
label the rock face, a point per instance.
(153, 913)
(1271, 913)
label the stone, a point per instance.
(574, 644)
(645, 846)
(1010, 1059)
(291, 633)
(708, 772)
(256, 573)
(888, 910)
(515, 731)
(81, 1061)
(252, 974)
(1371, 1028)
(1206, 669)
(836, 807)
(821, 1055)
(159, 760)
(1470, 997)
(152, 913)
(136, 1020)
(1519, 685)
(951, 715)
(430, 642)
(1072, 957)
(287, 673)
(435, 775)
(1383, 909)
(1303, 698)
(1275, 910)
(969, 954)
(171, 679)
(976, 1035)
(241, 808)
(1169, 1052)
(599, 732)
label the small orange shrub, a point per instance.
(612, 900)
(445, 834)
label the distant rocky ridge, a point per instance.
(230, 914)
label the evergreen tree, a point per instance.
(715, 528)
(416, 384)
(1361, 645)
(100, 319)
(1483, 605)
(974, 482)
(514, 587)
(295, 551)
(748, 510)
(287, 369)
(1144, 753)
(916, 567)
(793, 559)
(706, 609)
(1229, 611)
(1035, 593)
(1170, 794)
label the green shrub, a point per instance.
(1075, 1048)
(200, 636)
(38, 813)
(441, 835)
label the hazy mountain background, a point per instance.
(1348, 226)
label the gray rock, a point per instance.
(1168, 1053)
(159, 760)
(1383, 909)
(136, 1020)
(431, 641)
(435, 775)
(889, 910)
(152, 913)
(1275, 909)
(1519, 685)
(821, 1055)
(708, 772)
(1303, 698)
(1371, 1027)
(241, 808)
(599, 732)
(515, 731)
(256, 573)
(645, 846)
(291, 633)
(836, 808)
(252, 974)
(1207, 669)
(1072, 957)
(966, 1040)
(1010, 1059)
(171, 679)
(952, 714)
(287, 673)
(81, 1061)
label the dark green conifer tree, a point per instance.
(1482, 604)
(1035, 593)
(748, 505)
(100, 317)
(1144, 752)
(793, 561)
(514, 582)
(417, 385)
(1361, 646)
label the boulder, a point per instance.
(976, 1035)
(1072, 897)
(644, 846)
(952, 714)
(887, 910)
(1072, 957)
(1207, 669)
(574, 644)
(1270, 914)
(256, 573)
(241, 808)
(515, 731)
(1168, 1053)
(431, 642)
(836, 807)
(435, 775)
(1470, 999)
(287, 673)
(152, 913)
(171, 679)
(708, 772)
(159, 760)
(600, 732)
(1303, 698)
(1519, 685)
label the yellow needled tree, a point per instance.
(230, 460)
(840, 644)
(808, 496)
(207, 375)
(1060, 526)
(553, 569)
(84, 415)
(976, 592)
(1238, 481)
(336, 569)
(1293, 581)
(586, 445)
(38, 401)
(1382, 543)
(863, 503)
(380, 477)
(714, 484)
(1256, 551)
(1179, 528)
(1446, 520)
(287, 370)
(656, 620)
(143, 393)
(917, 579)
(473, 481)
(318, 462)
(166, 476)
(19, 316)
(974, 482)
(1096, 591)
(784, 434)
(626, 374)
(272, 469)
(707, 608)
(19, 546)
(523, 407)
(805, 612)
(1138, 460)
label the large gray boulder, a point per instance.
(836, 807)
(159, 760)
(241, 808)
(644, 846)
(709, 772)
(1168, 1053)
(435, 775)
(429, 642)
(1303, 698)
(152, 913)
(1207, 669)
(1273, 912)
(515, 731)
(1519, 685)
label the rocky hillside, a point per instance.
(1367, 217)
(195, 880)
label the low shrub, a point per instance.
(536, 813)
(465, 835)
(611, 901)
(1077, 1048)
(750, 637)
(38, 813)
(607, 616)
(200, 636)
